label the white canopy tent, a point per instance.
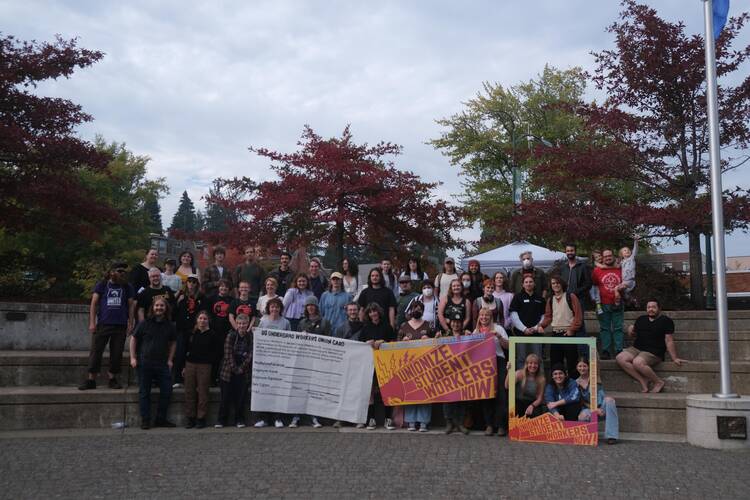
(506, 258)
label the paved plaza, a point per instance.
(306, 463)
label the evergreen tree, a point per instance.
(185, 219)
(153, 210)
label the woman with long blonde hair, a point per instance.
(530, 384)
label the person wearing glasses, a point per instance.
(111, 318)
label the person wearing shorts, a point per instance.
(654, 336)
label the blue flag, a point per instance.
(721, 11)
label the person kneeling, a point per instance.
(562, 397)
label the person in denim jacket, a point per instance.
(605, 405)
(562, 397)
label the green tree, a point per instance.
(186, 219)
(153, 209)
(37, 262)
(498, 128)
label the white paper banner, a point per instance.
(305, 374)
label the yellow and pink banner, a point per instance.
(441, 370)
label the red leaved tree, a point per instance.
(642, 164)
(334, 192)
(40, 157)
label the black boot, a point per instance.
(190, 423)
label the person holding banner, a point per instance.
(495, 411)
(375, 331)
(272, 317)
(526, 314)
(294, 299)
(565, 314)
(415, 329)
(235, 372)
(606, 407)
(530, 384)
(455, 412)
(562, 397)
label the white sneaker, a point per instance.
(218, 426)
(316, 424)
(176, 386)
(423, 427)
(260, 424)
(412, 426)
(389, 424)
(371, 424)
(278, 424)
(295, 423)
(337, 424)
(360, 426)
(240, 425)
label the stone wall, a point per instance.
(29, 326)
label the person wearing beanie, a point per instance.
(562, 396)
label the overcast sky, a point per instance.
(193, 84)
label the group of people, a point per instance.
(196, 329)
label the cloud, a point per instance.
(193, 84)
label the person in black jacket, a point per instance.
(201, 350)
(188, 305)
(152, 348)
(375, 331)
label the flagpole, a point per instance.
(717, 207)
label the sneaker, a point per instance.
(190, 423)
(260, 424)
(337, 424)
(412, 426)
(488, 431)
(218, 425)
(360, 426)
(295, 423)
(449, 427)
(145, 425)
(371, 424)
(423, 427)
(241, 425)
(278, 424)
(114, 384)
(176, 386)
(502, 431)
(389, 424)
(611, 441)
(164, 423)
(315, 423)
(463, 429)
(201, 423)
(87, 385)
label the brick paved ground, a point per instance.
(305, 463)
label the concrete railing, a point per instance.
(30, 326)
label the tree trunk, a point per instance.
(696, 270)
(339, 244)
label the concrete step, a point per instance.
(683, 320)
(693, 377)
(704, 345)
(50, 407)
(650, 413)
(64, 368)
